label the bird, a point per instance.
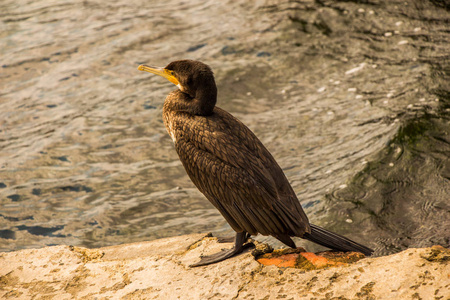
(232, 168)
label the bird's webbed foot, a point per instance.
(239, 246)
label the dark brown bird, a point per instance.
(232, 168)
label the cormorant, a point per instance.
(232, 168)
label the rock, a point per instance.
(261, 249)
(300, 259)
(437, 254)
(159, 269)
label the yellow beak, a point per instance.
(161, 72)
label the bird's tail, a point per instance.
(334, 241)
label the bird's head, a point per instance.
(193, 78)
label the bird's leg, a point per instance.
(230, 239)
(225, 239)
(239, 246)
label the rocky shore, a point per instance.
(160, 270)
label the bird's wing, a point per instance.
(236, 181)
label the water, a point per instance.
(351, 99)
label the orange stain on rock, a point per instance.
(283, 261)
(288, 261)
(298, 258)
(269, 261)
(316, 260)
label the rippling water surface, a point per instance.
(351, 99)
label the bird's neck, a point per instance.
(201, 104)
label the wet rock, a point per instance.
(437, 254)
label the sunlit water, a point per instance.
(349, 98)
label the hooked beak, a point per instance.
(161, 72)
